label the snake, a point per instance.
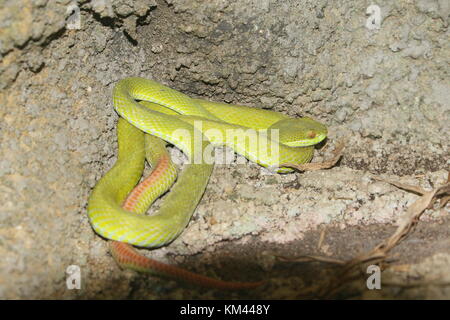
(153, 116)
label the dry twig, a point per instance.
(337, 154)
(379, 253)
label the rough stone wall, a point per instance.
(385, 91)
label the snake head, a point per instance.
(300, 132)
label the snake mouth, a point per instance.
(318, 138)
(313, 139)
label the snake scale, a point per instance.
(154, 115)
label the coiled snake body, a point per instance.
(153, 115)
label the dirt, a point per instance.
(384, 91)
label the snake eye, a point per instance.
(311, 134)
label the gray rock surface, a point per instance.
(386, 91)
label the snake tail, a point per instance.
(128, 258)
(137, 201)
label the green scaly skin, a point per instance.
(165, 112)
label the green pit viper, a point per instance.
(153, 115)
